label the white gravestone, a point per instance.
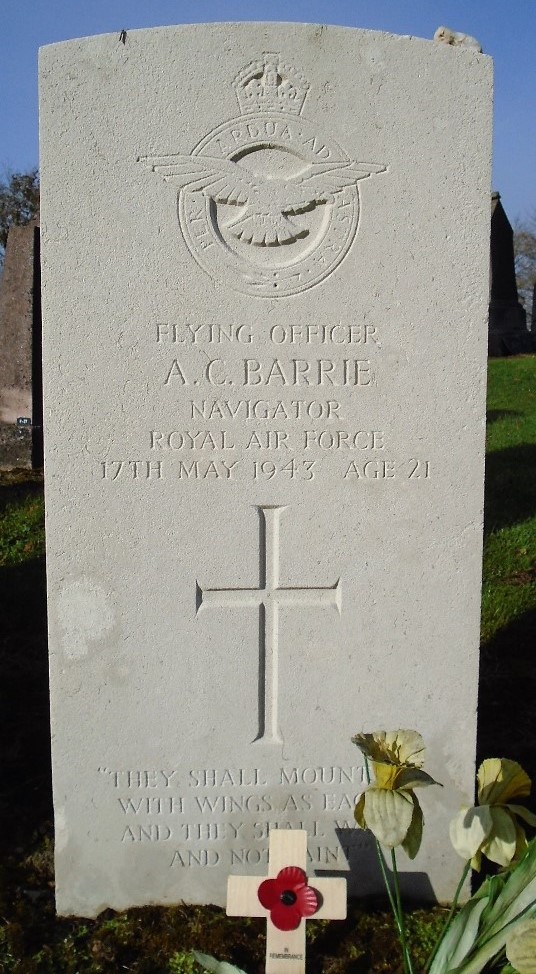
(265, 270)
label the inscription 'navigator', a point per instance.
(268, 597)
(295, 190)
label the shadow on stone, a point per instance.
(361, 856)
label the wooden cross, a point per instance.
(285, 949)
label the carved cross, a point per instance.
(267, 599)
(285, 949)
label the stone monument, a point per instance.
(508, 332)
(20, 351)
(264, 451)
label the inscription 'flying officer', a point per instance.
(269, 201)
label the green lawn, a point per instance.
(509, 574)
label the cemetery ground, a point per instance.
(157, 940)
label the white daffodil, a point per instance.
(521, 947)
(492, 828)
(389, 807)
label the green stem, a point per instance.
(396, 905)
(383, 868)
(402, 927)
(450, 916)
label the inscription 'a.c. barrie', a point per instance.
(276, 372)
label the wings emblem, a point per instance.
(268, 204)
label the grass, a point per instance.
(509, 573)
(507, 680)
(158, 940)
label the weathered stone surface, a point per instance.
(265, 393)
(20, 365)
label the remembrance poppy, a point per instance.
(289, 898)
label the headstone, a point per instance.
(508, 333)
(287, 900)
(20, 350)
(265, 394)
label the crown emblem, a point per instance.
(267, 85)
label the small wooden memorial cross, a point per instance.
(286, 899)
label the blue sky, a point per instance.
(507, 31)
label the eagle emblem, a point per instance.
(268, 204)
(264, 203)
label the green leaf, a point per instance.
(521, 947)
(516, 901)
(388, 815)
(460, 937)
(215, 966)
(518, 894)
(412, 842)
(206, 961)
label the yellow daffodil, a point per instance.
(492, 827)
(389, 807)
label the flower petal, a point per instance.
(521, 842)
(359, 812)
(307, 900)
(408, 778)
(412, 842)
(523, 813)
(291, 877)
(392, 747)
(500, 845)
(521, 947)
(470, 829)
(411, 748)
(371, 745)
(269, 893)
(388, 815)
(384, 774)
(285, 917)
(500, 780)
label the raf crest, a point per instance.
(266, 204)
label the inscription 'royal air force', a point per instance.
(266, 204)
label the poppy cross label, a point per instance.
(286, 899)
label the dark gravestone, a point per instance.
(20, 351)
(508, 334)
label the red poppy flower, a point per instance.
(289, 898)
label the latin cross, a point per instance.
(268, 598)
